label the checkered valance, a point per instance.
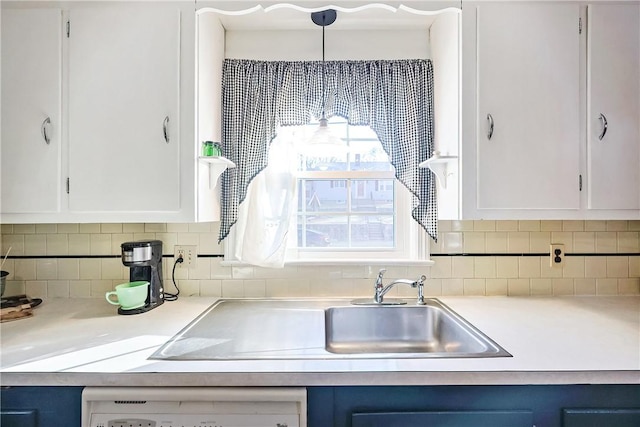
(394, 98)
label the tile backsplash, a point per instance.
(471, 258)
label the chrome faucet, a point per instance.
(381, 290)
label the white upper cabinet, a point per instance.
(613, 106)
(31, 110)
(527, 123)
(124, 80)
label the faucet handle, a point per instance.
(381, 272)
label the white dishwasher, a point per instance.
(194, 407)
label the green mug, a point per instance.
(129, 295)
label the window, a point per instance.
(350, 206)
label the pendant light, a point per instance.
(322, 138)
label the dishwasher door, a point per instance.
(194, 407)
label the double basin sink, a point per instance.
(246, 329)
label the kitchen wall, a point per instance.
(471, 258)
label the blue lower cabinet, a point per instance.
(601, 417)
(444, 419)
(40, 406)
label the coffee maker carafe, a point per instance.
(144, 258)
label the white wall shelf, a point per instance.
(217, 165)
(439, 165)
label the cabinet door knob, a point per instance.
(605, 125)
(165, 129)
(490, 130)
(43, 128)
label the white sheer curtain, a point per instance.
(265, 216)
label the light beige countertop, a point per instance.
(553, 340)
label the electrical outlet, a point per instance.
(557, 255)
(189, 255)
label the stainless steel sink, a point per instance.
(432, 330)
(258, 329)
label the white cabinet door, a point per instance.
(124, 79)
(31, 110)
(613, 80)
(528, 100)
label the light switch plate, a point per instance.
(556, 255)
(189, 255)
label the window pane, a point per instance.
(374, 195)
(368, 155)
(323, 231)
(372, 231)
(322, 195)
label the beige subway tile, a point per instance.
(220, 272)
(57, 244)
(242, 272)
(14, 287)
(114, 228)
(495, 287)
(518, 242)
(358, 272)
(508, 225)
(100, 287)
(595, 267)
(628, 241)
(518, 287)
(528, 267)
(634, 266)
(551, 225)
(13, 241)
(188, 238)
(202, 269)
(453, 287)
(617, 266)
(79, 244)
(433, 287)
(100, 244)
(79, 288)
(189, 288)
(549, 271)
(529, 225)
(35, 244)
(9, 266)
(595, 225)
(563, 237)
(255, 288)
(46, 228)
(322, 288)
(177, 228)
(630, 286)
(474, 287)
(484, 225)
(89, 228)
(539, 241)
(442, 268)
(462, 267)
(232, 289)
(572, 225)
(496, 242)
(6, 228)
(118, 239)
(181, 272)
(68, 228)
(562, 286)
(484, 267)
(443, 226)
(606, 286)
(144, 236)
(452, 242)
(155, 228)
(585, 286)
(208, 244)
(436, 247)
(278, 288)
(506, 267)
(573, 267)
(36, 288)
(133, 228)
(584, 242)
(474, 242)
(617, 226)
(58, 289)
(112, 268)
(24, 269)
(541, 287)
(24, 228)
(69, 268)
(200, 227)
(90, 269)
(634, 225)
(47, 269)
(462, 225)
(211, 288)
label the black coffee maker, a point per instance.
(144, 258)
